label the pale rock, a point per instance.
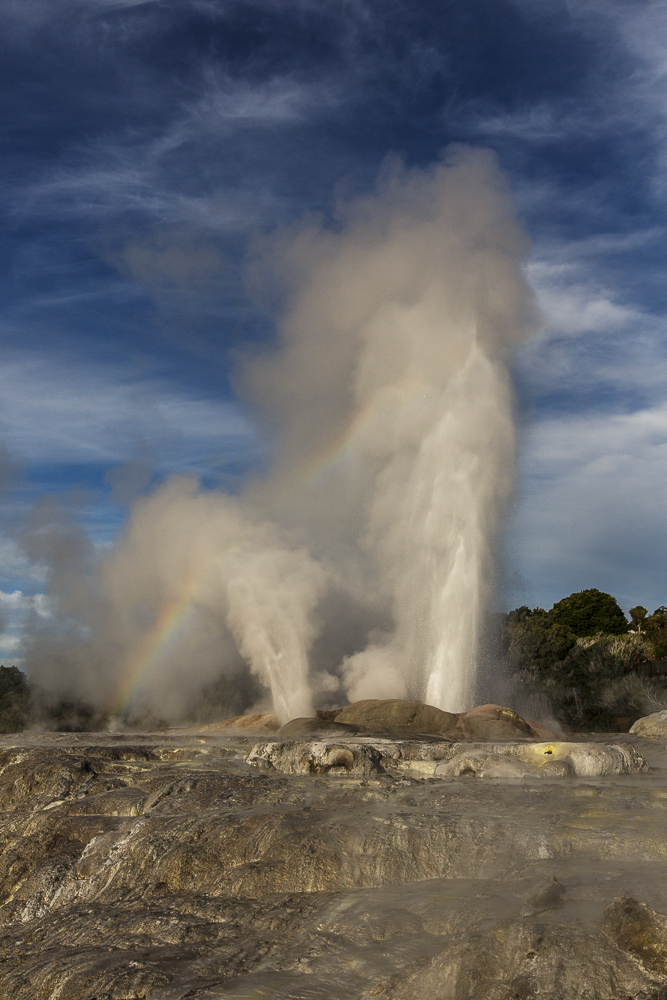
(652, 726)
(482, 764)
(297, 757)
(544, 760)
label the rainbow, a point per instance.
(342, 445)
(156, 641)
(151, 648)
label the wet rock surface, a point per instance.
(172, 866)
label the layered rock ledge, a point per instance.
(169, 866)
(408, 758)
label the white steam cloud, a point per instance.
(361, 565)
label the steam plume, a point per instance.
(389, 398)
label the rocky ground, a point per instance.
(179, 865)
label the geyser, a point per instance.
(390, 403)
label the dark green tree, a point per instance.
(538, 645)
(638, 615)
(655, 629)
(589, 612)
(14, 700)
(574, 672)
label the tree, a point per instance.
(655, 628)
(540, 646)
(638, 615)
(588, 612)
(576, 673)
(14, 700)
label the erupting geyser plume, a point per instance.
(389, 398)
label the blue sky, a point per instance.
(146, 146)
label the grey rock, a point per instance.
(396, 717)
(545, 897)
(172, 869)
(317, 758)
(652, 726)
(543, 760)
(483, 764)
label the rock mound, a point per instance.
(652, 726)
(307, 728)
(409, 758)
(493, 722)
(267, 722)
(394, 715)
(397, 717)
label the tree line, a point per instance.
(585, 663)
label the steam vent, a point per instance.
(390, 849)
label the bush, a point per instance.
(655, 629)
(14, 700)
(539, 645)
(589, 612)
(578, 677)
(633, 696)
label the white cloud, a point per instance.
(593, 342)
(54, 409)
(16, 600)
(15, 566)
(592, 507)
(543, 123)
(28, 15)
(14, 607)
(278, 101)
(130, 173)
(570, 306)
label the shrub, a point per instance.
(14, 700)
(589, 612)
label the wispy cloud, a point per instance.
(153, 172)
(60, 410)
(572, 306)
(15, 606)
(16, 600)
(592, 509)
(14, 565)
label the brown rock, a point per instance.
(267, 722)
(308, 727)
(640, 930)
(493, 722)
(397, 716)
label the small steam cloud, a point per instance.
(373, 533)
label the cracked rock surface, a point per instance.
(171, 867)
